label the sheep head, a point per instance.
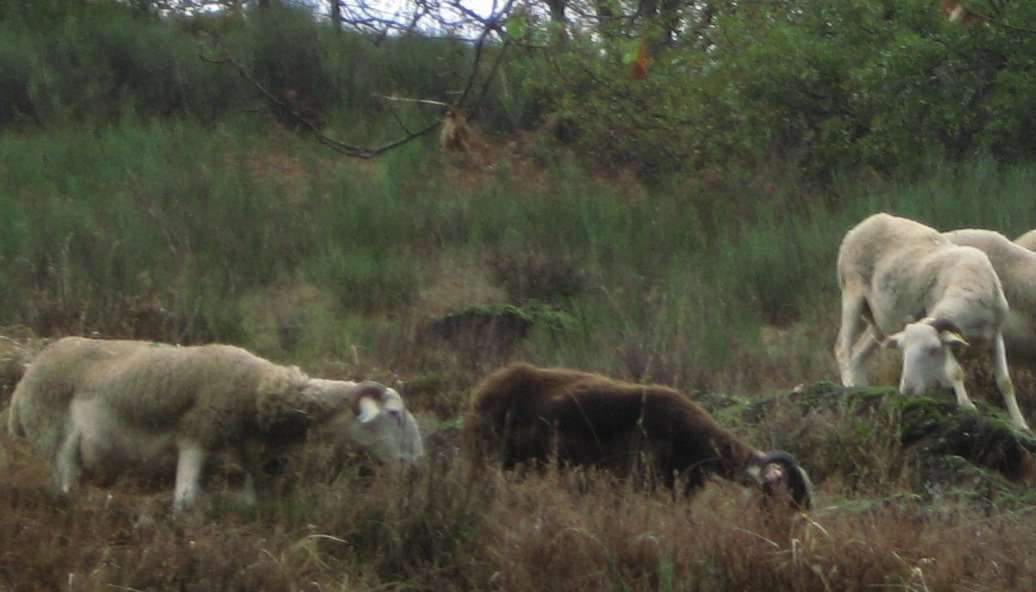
(928, 347)
(779, 475)
(375, 420)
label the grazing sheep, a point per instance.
(1027, 240)
(101, 409)
(522, 413)
(1016, 267)
(904, 280)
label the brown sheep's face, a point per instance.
(781, 478)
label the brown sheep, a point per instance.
(525, 414)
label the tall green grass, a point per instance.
(95, 63)
(169, 231)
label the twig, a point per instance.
(328, 537)
(759, 536)
(409, 100)
(12, 341)
(493, 70)
(338, 146)
(479, 47)
(997, 19)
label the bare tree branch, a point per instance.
(430, 17)
(348, 149)
(479, 47)
(493, 70)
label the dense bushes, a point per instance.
(810, 90)
(817, 88)
(157, 203)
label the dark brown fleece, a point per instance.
(524, 414)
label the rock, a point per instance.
(874, 432)
(492, 331)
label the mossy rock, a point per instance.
(442, 394)
(497, 327)
(822, 395)
(953, 447)
(985, 438)
(952, 476)
(722, 404)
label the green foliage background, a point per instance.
(680, 228)
(149, 192)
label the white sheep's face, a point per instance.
(929, 363)
(387, 431)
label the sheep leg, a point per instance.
(853, 306)
(1005, 384)
(67, 464)
(189, 465)
(957, 374)
(862, 352)
(248, 495)
(251, 463)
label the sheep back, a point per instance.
(1027, 240)
(526, 414)
(908, 270)
(212, 393)
(1015, 266)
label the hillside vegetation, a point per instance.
(678, 225)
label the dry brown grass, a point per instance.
(453, 529)
(333, 525)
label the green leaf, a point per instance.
(631, 51)
(516, 26)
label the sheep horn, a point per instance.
(792, 475)
(369, 409)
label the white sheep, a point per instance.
(1015, 265)
(904, 280)
(1027, 240)
(101, 409)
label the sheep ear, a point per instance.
(953, 339)
(893, 341)
(368, 409)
